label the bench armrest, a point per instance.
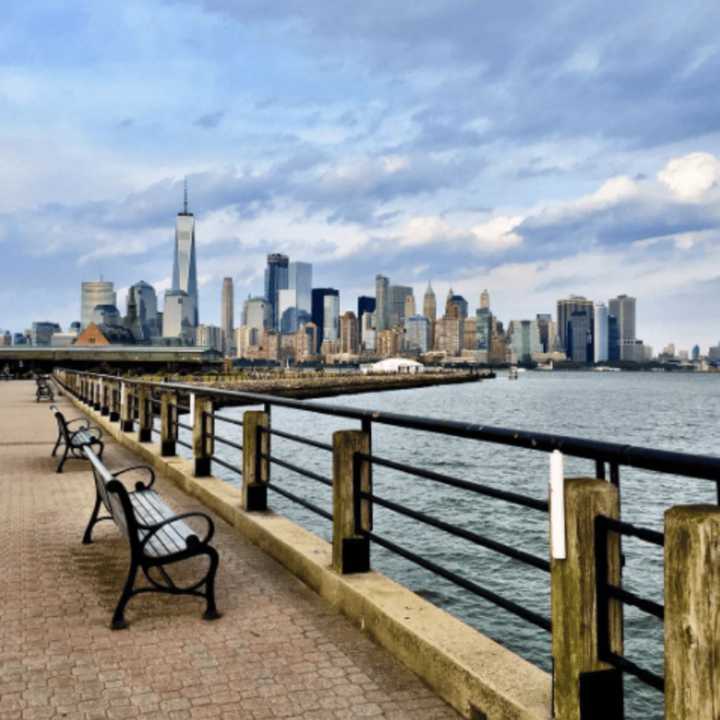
(94, 430)
(191, 539)
(139, 486)
(79, 419)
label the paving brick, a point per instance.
(279, 651)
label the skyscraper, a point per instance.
(318, 311)
(623, 308)
(227, 321)
(565, 308)
(300, 280)
(601, 333)
(349, 336)
(178, 316)
(396, 297)
(382, 309)
(484, 300)
(142, 312)
(276, 279)
(430, 304)
(100, 292)
(580, 336)
(184, 264)
(524, 338)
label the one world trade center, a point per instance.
(184, 266)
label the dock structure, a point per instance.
(279, 651)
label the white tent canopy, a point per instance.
(394, 365)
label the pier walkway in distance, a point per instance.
(279, 651)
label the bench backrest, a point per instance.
(62, 423)
(114, 497)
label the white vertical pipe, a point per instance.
(123, 395)
(192, 409)
(557, 506)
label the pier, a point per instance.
(423, 654)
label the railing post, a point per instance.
(203, 432)
(584, 687)
(145, 414)
(256, 466)
(692, 612)
(351, 513)
(115, 401)
(97, 394)
(168, 423)
(126, 415)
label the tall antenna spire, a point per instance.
(185, 203)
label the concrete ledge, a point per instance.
(477, 676)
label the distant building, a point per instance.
(300, 280)
(106, 315)
(524, 339)
(92, 294)
(331, 317)
(365, 304)
(613, 339)
(210, 336)
(389, 342)
(484, 300)
(227, 316)
(483, 328)
(142, 312)
(367, 331)
(470, 333)
(256, 317)
(417, 331)
(5, 339)
(184, 261)
(397, 294)
(349, 337)
(461, 303)
(318, 310)
(449, 335)
(430, 312)
(276, 279)
(601, 333)
(306, 342)
(179, 317)
(579, 336)
(61, 339)
(565, 309)
(409, 310)
(104, 335)
(695, 354)
(623, 308)
(382, 307)
(42, 332)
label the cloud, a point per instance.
(692, 177)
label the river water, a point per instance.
(669, 411)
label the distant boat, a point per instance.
(605, 368)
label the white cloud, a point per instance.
(692, 177)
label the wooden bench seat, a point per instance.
(74, 440)
(158, 537)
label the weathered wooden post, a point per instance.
(351, 513)
(256, 466)
(168, 423)
(203, 435)
(145, 413)
(97, 393)
(692, 612)
(585, 687)
(127, 421)
(114, 400)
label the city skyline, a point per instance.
(535, 169)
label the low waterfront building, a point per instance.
(394, 366)
(104, 335)
(61, 339)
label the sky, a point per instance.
(536, 149)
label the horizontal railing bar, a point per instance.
(300, 501)
(662, 461)
(297, 469)
(472, 587)
(629, 598)
(498, 547)
(185, 426)
(224, 441)
(227, 465)
(184, 444)
(298, 438)
(155, 430)
(225, 418)
(184, 408)
(651, 536)
(646, 676)
(478, 488)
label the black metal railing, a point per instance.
(607, 459)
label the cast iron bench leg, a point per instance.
(118, 620)
(87, 537)
(211, 612)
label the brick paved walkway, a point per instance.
(278, 652)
